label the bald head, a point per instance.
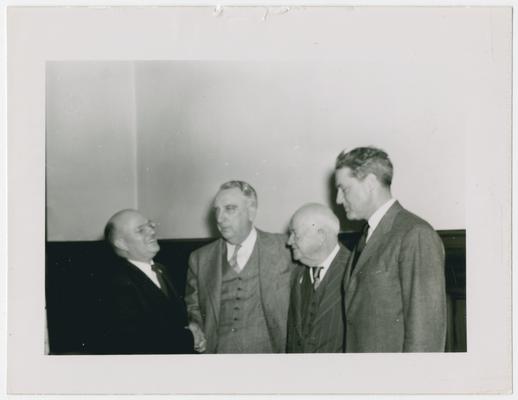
(313, 233)
(132, 236)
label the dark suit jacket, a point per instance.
(134, 316)
(328, 329)
(395, 298)
(203, 289)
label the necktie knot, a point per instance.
(316, 276)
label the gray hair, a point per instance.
(245, 188)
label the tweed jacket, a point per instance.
(203, 287)
(395, 297)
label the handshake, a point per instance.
(200, 343)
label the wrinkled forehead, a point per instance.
(232, 196)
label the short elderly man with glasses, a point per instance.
(140, 311)
(316, 322)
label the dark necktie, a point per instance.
(360, 246)
(316, 276)
(157, 269)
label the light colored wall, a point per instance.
(280, 125)
(162, 135)
(91, 157)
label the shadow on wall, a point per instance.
(210, 221)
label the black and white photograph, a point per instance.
(299, 190)
(194, 151)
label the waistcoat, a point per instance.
(242, 325)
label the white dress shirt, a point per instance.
(375, 218)
(244, 253)
(146, 268)
(325, 264)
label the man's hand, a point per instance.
(200, 343)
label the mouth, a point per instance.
(153, 241)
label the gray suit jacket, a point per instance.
(203, 289)
(328, 328)
(395, 298)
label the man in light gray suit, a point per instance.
(394, 284)
(316, 322)
(237, 291)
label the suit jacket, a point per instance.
(395, 298)
(203, 289)
(134, 316)
(328, 329)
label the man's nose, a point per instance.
(290, 239)
(151, 227)
(339, 197)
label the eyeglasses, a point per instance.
(151, 225)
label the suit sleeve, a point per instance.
(192, 300)
(423, 290)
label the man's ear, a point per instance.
(120, 243)
(252, 211)
(372, 181)
(322, 235)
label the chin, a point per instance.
(352, 216)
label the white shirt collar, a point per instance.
(326, 263)
(244, 253)
(375, 218)
(145, 267)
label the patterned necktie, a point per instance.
(316, 276)
(157, 269)
(360, 246)
(233, 260)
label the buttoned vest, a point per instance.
(242, 325)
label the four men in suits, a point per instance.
(387, 296)
(394, 285)
(139, 310)
(316, 322)
(237, 291)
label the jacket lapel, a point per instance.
(140, 280)
(296, 306)
(333, 281)
(165, 284)
(377, 237)
(212, 277)
(268, 273)
(371, 250)
(273, 288)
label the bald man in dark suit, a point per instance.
(316, 322)
(139, 309)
